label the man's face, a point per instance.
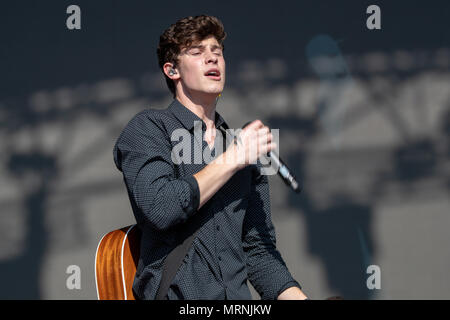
(202, 67)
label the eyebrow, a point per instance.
(199, 46)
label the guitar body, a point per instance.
(115, 263)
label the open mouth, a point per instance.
(213, 74)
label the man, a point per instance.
(227, 199)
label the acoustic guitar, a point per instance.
(116, 259)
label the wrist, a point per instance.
(230, 158)
(292, 293)
(227, 161)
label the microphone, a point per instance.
(283, 171)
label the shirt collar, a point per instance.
(187, 117)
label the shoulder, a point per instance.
(149, 118)
(144, 132)
(148, 122)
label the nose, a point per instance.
(210, 57)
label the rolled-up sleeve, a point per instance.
(143, 153)
(267, 271)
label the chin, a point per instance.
(209, 90)
(215, 91)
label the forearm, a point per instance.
(212, 177)
(254, 141)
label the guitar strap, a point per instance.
(175, 258)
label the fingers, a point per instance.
(269, 147)
(258, 134)
(265, 134)
(255, 125)
(255, 140)
(264, 142)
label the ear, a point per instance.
(167, 68)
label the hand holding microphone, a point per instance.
(256, 135)
(250, 143)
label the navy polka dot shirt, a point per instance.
(236, 239)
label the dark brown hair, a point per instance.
(183, 34)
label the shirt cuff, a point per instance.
(195, 193)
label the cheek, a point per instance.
(193, 71)
(187, 76)
(224, 67)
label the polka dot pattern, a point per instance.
(236, 240)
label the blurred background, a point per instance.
(364, 119)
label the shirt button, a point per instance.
(220, 258)
(218, 228)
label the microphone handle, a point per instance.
(284, 172)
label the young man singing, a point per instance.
(225, 200)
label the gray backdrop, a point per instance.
(364, 119)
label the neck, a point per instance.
(203, 107)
